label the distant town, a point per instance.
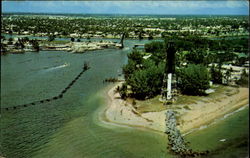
(110, 27)
(182, 79)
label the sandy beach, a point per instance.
(120, 112)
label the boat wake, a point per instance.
(47, 69)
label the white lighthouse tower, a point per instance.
(169, 75)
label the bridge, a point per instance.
(121, 42)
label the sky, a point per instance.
(204, 7)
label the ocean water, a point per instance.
(227, 138)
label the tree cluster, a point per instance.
(193, 79)
(143, 76)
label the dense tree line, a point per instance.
(144, 76)
(198, 50)
(115, 25)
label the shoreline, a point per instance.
(72, 47)
(108, 123)
(118, 112)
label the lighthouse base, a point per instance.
(169, 90)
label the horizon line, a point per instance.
(58, 13)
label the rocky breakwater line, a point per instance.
(176, 142)
(59, 96)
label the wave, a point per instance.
(216, 120)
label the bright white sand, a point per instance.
(120, 112)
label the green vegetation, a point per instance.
(244, 79)
(216, 74)
(147, 82)
(183, 101)
(199, 50)
(139, 27)
(199, 41)
(193, 79)
(150, 105)
(134, 63)
(157, 50)
(198, 60)
(51, 38)
(187, 107)
(143, 76)
(35, 45)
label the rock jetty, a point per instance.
(176, 142)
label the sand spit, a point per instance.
(122, 113)
(81, 47)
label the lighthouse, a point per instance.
(169, 75)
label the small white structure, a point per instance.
(169, 95)
(235, 74)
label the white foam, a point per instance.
(57, 67)
(223, 140)
(215, 121)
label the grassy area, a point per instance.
(186, 99)
(155, 105)
(149, 105)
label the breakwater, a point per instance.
(176, 142)
(59, 96)
(43, 130)
(113, 80)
